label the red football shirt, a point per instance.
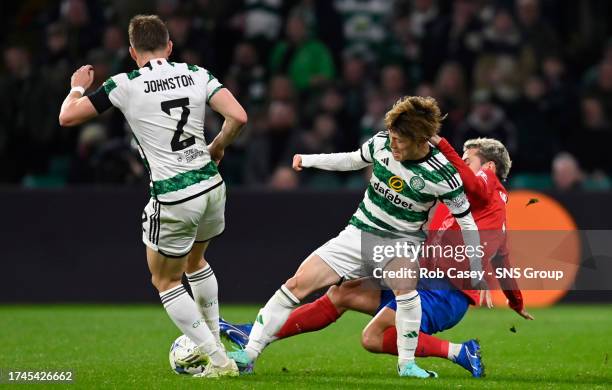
(488, 199)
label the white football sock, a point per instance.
(204, 287)
(184, 313)
(407, 322)
(269, 320)
(453, 351)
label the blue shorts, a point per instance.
(442, 305)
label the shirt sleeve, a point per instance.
(508, 285)
(335, 161)
(368, 148)
(212, 86)
(475, 185)
(112, 93)
(344, 161)
(456, 201)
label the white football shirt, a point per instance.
(164, 104)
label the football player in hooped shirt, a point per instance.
(409, 176)
(485, 163)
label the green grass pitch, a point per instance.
(127, 347)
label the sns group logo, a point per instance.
(396, 183)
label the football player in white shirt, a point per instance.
(164, 104)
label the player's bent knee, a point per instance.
(338, 298)
(370, 340)
(294, 286)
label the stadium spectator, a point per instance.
(320, 139)
(539, 38)
(403, 48)
(332, 103)
(455, 37)
(449, 50)
(594, 136)
(364, 24)
(423, 13)
(425, 89)
(393, 83)
(502, 36)
(269, 142)
(188, 39)
(246, 78)
(451, 93)
(487, 120)
(84, 26)
(56, 61)
(566, 172)
(354, 86)
(281, 89)
(537, 134)
(284, 178)
(562, 95)
(322, 21)
(116, 49)
(304, 59)
(27, 125)
(373, 120)
(602, 88)
(262, 21)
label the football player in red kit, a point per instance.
(444, 302)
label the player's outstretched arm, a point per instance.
(509, 286)
(77, 108)
(225, 104)
(330, 161)
(474, 185)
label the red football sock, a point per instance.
(431, 346)
(428, 346)
(389, 344)
(309, 318)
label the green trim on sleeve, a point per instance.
(214, 92)
(109, 85)
(133, 74)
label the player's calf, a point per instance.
(312, 275)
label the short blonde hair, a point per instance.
(415, 116)
(490, 149)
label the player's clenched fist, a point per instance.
(297, 162)
(82, 77)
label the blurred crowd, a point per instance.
(317, 76)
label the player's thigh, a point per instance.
(212, 221)
(166, 272)
(313, 274)
(171, 229)
(343, 253)
(360, 295)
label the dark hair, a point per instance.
(148, 33)
(416, 117)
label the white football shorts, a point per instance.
(172, 229)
